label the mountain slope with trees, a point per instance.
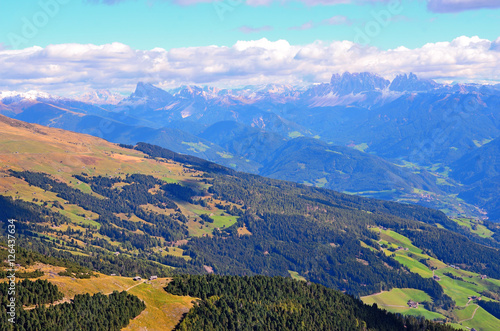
(145, 210)
(249, 303)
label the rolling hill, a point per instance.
(145, 210)
(307, 160)
(480, 171)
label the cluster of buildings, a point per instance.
(412, 304)
(474, 297)
(137, 278)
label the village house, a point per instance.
(412, 304)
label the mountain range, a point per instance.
(402, 140)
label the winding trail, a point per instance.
(374, 294)
(473, 314)
(128, 289)
(65, 300)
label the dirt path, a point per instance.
(128, 289)
(65, 300)
(473, 314)
(374, 294)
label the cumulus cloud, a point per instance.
(66, 68)
(249, 29)
(495, 46)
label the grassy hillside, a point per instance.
(144, 210)
(462, 286)
(126, 129)
(163, 310)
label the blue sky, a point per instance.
(59, 45)
(165, 24)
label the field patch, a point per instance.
(163, 310)
(482, 321)
(295, 275)
(396, 301)
(474, 226)
(397, 297)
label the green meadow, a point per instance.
(460, 286)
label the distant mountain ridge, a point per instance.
(100, 97)
(348, 83)
(416, 125)
(404, 83)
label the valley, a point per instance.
(144, 210)
(359, 133)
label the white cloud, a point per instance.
(495, 46)
(449, 6)
(68, 68)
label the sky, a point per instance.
(69, 46)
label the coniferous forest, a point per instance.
(312, 231)
(276, 303)
(84, 312)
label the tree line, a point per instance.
(276, 303)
